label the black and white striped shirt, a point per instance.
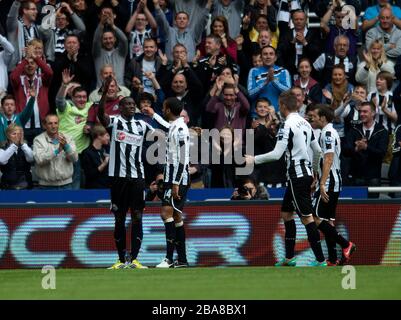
(295, 137)
(127, 138)
(330, 143)
(176, 170)
(381, 117)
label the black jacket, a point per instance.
(90, 161)
(367, 163)
(286, 51)
(273, 172)
(17, 172)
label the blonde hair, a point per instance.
(35, 42)
(11, 128)
(383, 57)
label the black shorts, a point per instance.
(297, 197)
(168, 200)
(127, 193)
(325, 210)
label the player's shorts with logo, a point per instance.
(127, 193)
(168, 200)
(325, 210)
(297, 196)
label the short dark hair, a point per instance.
(48, 116)
(77, 89)
(304, 59)
(69, 35)
(288, 99)
(362, 86)
(370, 104)
(215, 38)
(228, 86)
(122, 101)
(263, 100)
(97, 131)
(324, 110)
(179, 12)
(146, 96)
(7, 97)
(174, 105)
(268, 46)
(150, 39)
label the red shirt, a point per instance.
(111, 108)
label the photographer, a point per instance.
(248, 190)
(156, 189)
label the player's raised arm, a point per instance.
(151, 113)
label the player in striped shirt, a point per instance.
(326, 197)
(294, 138)
(127, 172)
(176, 180)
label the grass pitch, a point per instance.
(372, 282)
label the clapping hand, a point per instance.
(327, 94)
(163, 58)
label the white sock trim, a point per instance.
(179, 224)
(169, 220)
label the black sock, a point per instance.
(290, 234)
(331, 249)
(180, 243)
(314, 240)
(331, 232)
(170, 239)
(119, 237)
(136, 238)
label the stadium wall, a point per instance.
(224, 233)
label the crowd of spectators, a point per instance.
(226, 60)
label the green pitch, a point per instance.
(372, 282)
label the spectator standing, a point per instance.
(375, 61)
(73, 115)
(234, 108)
(24, 78)
(137, 30)
(110, 45)
(105, 72)
(367, 144)
(6, 55)
(16, 158)
(331, 31)
(371, 17)
(232, 11)
(54, 155)
(311, 88)
(54, 38)
(388, 33)
(8, 116)
(297, 43)
(324, 64)
(95, 160)
(265, 125)
(183, 32)
(21, 28)
(270, 80)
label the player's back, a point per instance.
(177, 156)
(299, 134)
